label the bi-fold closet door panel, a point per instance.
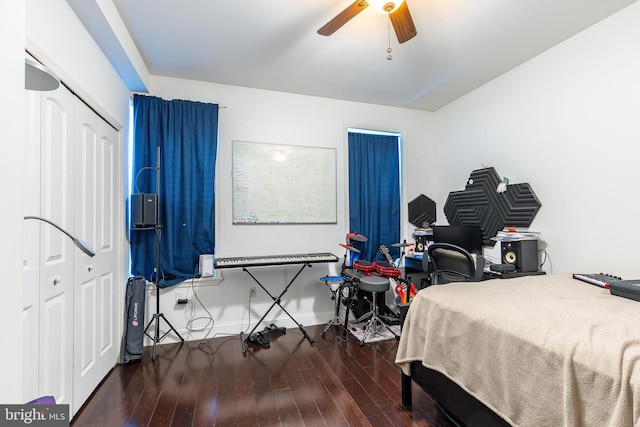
(70, 314)
(56, 250)
(95, 313)
(31, 250)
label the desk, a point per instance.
(411, 262)
(488, 275)
(413, 268)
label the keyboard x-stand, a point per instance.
(261, 261)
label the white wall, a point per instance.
(12, 121)
(274, 117)
(57, 38)
(567, 122)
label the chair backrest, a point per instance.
(452, 263)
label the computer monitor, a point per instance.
(468, 237)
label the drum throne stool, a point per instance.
(375, 285)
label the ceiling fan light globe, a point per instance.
(385, 6)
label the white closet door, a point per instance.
(31, 250)
(70, 314)
(56, 249)
(95, 314)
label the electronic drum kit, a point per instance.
(344, 288)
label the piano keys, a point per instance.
(257, 261)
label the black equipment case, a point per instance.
(133, 331)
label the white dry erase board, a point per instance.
(283, 184)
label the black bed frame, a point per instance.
(458, 406)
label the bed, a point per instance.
(531, 351)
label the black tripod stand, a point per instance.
(155, 320)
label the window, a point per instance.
(374, 190)
(181, 137)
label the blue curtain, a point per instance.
(374, 192)
(187, 134)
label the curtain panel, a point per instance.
(186, 132)
(374, 192)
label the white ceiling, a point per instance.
(273, 44)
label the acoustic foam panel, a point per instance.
(481, 205)
(422, 211)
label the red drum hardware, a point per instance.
(356, 237)
(350, 248)
(347, 289)
(354, 242)
(386, 269)
(363, 266)
(353, 294)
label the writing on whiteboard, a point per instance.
(283, 184)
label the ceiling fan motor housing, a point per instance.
(397, 10)
(385, 6)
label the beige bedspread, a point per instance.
(537, 350)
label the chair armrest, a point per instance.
(425, 261)
(480, 261)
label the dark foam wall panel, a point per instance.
(422, 211)
(480, 204)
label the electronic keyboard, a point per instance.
(618, 287)
(599, 279)
(256, 261)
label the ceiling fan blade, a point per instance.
(403, 23)
(343, 17)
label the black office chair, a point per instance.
(452, 263)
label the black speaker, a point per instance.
(523, 254)
(144, 209)
(421, 243)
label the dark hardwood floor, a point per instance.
(292, 383)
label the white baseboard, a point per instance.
(235, 328)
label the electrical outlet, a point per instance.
(181, 297)
(252, 292)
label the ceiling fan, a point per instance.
(397, 10)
